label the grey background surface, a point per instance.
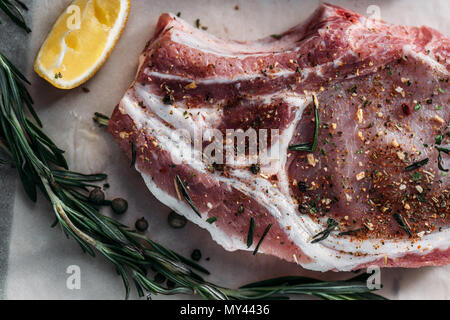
(14, 43)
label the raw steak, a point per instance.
(370, 188)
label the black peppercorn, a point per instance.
(255, 168)
(176, 221)
(303, 208)
(97, 196)
(196, 255)
(168, 99)
(218, 167)
(119, 205)
(141, 225)
(302, 186)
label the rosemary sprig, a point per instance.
(14, 12)
(310, 146)
(332, 224)
(339, 289)
(41, 165)
(251, 231)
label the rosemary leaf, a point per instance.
(133, 154)
(186, 196)
(251, 231)
(262, 238)
(402, 223)
(310, 146)
(417, 165)
(332, 224)
(101, 119)
(14, 13)
(75, 176)
(211, 220)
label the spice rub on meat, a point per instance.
(362, 112)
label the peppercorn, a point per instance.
(406, 109)
(303, 208)
(168, 99)
(302, 186)
(218, 167)
(96, 196)
(176, 221)
(255, 168)
(196, 255)
(119, 205)
(211, 168)
(141, 225)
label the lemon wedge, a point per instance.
(80, 41)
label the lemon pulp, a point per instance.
(80, 39)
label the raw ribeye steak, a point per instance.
(361, 109)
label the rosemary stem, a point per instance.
(101, 119)
(59, 210)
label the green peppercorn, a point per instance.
(97, 196)
(119, 205)
(141, 224)
(196, 255)
(176, 221)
